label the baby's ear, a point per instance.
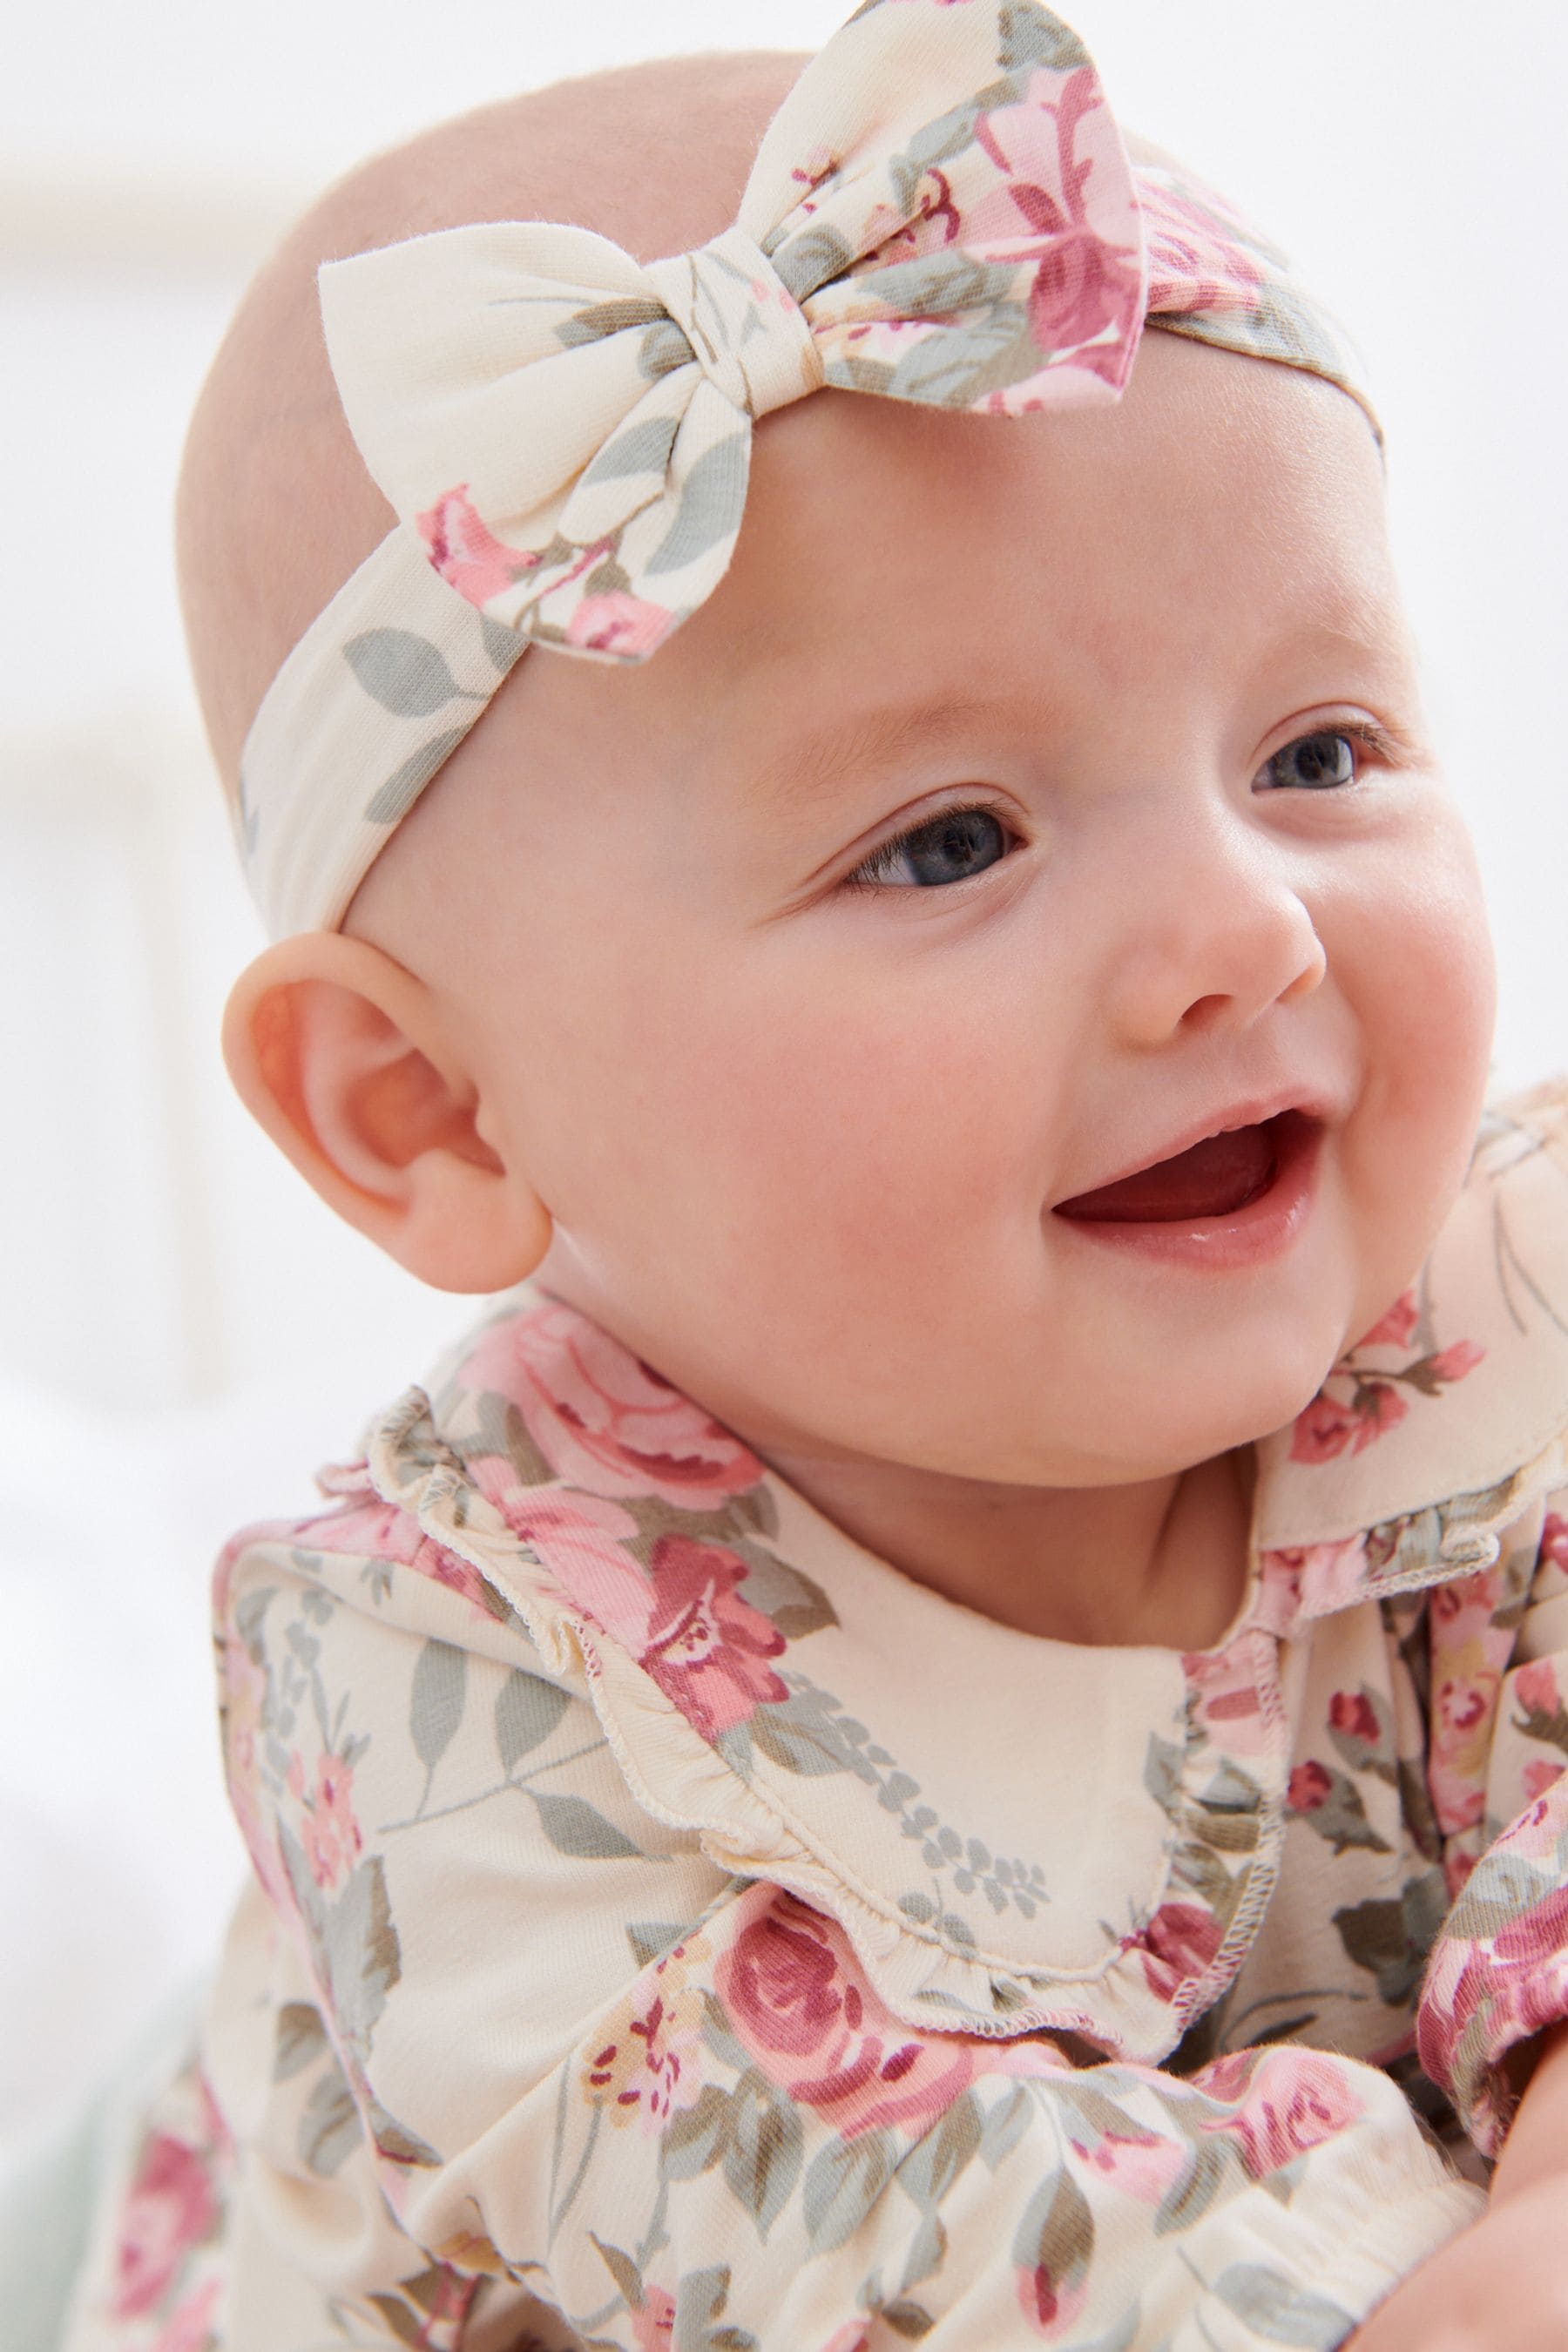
(344, 1058)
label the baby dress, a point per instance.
(671, 1927)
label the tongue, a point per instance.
(1215, 1179)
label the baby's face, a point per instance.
(1034, 799)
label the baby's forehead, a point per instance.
(276, 508)
(911, 582)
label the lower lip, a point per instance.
(1265, 1229)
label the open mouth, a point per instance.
(1218, 1177)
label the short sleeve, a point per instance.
(498, 2046)
(1498, 1973)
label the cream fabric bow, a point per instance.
(943, 211)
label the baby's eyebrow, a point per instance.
(813, 765)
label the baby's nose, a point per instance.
(1217, 933)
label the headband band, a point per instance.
(941, 211)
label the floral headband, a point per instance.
(941, 211)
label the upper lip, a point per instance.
(1254, 1110)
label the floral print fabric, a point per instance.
(943, 211)
(670, 1927)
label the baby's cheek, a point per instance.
(1419, 971)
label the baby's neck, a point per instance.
(1162, 1562)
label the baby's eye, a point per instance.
(1314, 764)
(946, 848)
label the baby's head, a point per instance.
(1032, 798)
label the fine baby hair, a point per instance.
(949, 1728)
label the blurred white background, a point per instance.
(184, 1331)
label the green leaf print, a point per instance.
(1339, 1815)
(1031, 35)
(1391, 1937)
(1057, 2232)
(642, 448)
(910, 2320)
(843, 2182)
(404, 673)
(364, 1962)
(1193, 2191)
(330, 2128)
(700, 2300)
(575, 1827)
(623, 2269)
(1275, 2308)
(503, 645)
(799, 1736)
(807, 261)
(528, 1709)
(301, 2038)
(792, 1601)
(396, 2140)
(712, 498)
(596, 320)
(1006, 2121)
(649, 1937)
(764, 2149)
(397, 795)
(929, 2171)
(695, 2137)
(435, 1702)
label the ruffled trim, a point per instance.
(1224, 1797)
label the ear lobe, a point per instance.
(343, 1055)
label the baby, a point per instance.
(951, 1728)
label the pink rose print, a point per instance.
(1142, 2167)
(618, 622)
(653, 2327)
(1048, 2303)
(1535, 1687)
(172, 2206)
(1310, 1580)
(464, 552)
(707, 1648)
(1395, 1329)
(1453, 1363)
(1554, 1541)
(1374, 1405)
(1289, 2101)
(855, 2336)
(1224, 1685)
(1051, 146)
(1182, 232)
(1308, 1788)
(1327, 1427)
(1540, 1776)
(581, 1538)
(1178, 1944)
(1352, 1714)
(332, 1835)
(1463, 1702)
(604, 1420)
(798, 2000)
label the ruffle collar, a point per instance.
(1016, 1833)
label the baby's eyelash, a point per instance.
(872, 872)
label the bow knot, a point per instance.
(747, 332)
